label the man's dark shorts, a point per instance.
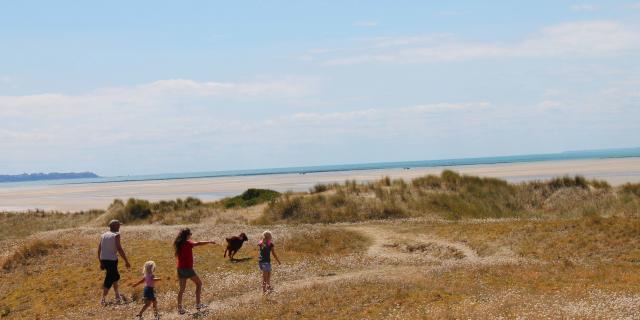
(111, 267)
(186, 273)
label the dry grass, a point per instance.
(587, 240)
(69, 280)
(27, 253)
(508, 292)
(452, 196)
(20, 225)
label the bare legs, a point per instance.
(183, 284)
(105, 291)
(266, 281)
(148, 302)
(115, 289)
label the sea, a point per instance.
(567, 155)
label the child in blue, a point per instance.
(149, 295)
(265, 249)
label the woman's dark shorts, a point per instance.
(149, 293)
(186, 273)
(112, 275)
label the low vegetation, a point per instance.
(453, 196)
(182, 211)
(22, 224)
(251, 197)
(28, 252)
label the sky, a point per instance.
(142, 87)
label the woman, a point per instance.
(183, 246)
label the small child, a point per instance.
(149, 295)
(265, 249)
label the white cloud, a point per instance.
(577, 39)
(166, 108)
(374, 115)
(584, 7)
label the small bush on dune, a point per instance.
(28, 252)
(319, 188)
(251, 197)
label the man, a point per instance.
(108, 255)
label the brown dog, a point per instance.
(234, 244)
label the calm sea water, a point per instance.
(571, 155)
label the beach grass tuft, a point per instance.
(28, 252)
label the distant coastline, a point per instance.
(47, 176)
(405, 165)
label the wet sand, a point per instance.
(76, 197)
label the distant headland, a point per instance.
(46, 176)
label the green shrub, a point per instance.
(251, 197)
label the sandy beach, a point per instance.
(76, 197)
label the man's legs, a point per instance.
(115, 289)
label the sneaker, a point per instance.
(139, 316)
(201, 306)
(103, 302)
(156, 316)
(181, 310)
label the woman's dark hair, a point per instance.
(181, 239)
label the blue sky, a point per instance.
(151, 86)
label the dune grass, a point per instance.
(21, 224)
(181, 211)
(29, 252)
(452, 196)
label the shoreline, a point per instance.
(86, 196)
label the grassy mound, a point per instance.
(179, 211)
(28, 252)
(453, 196)
(22, 224)
(251, 197)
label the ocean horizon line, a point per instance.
(523, 158)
